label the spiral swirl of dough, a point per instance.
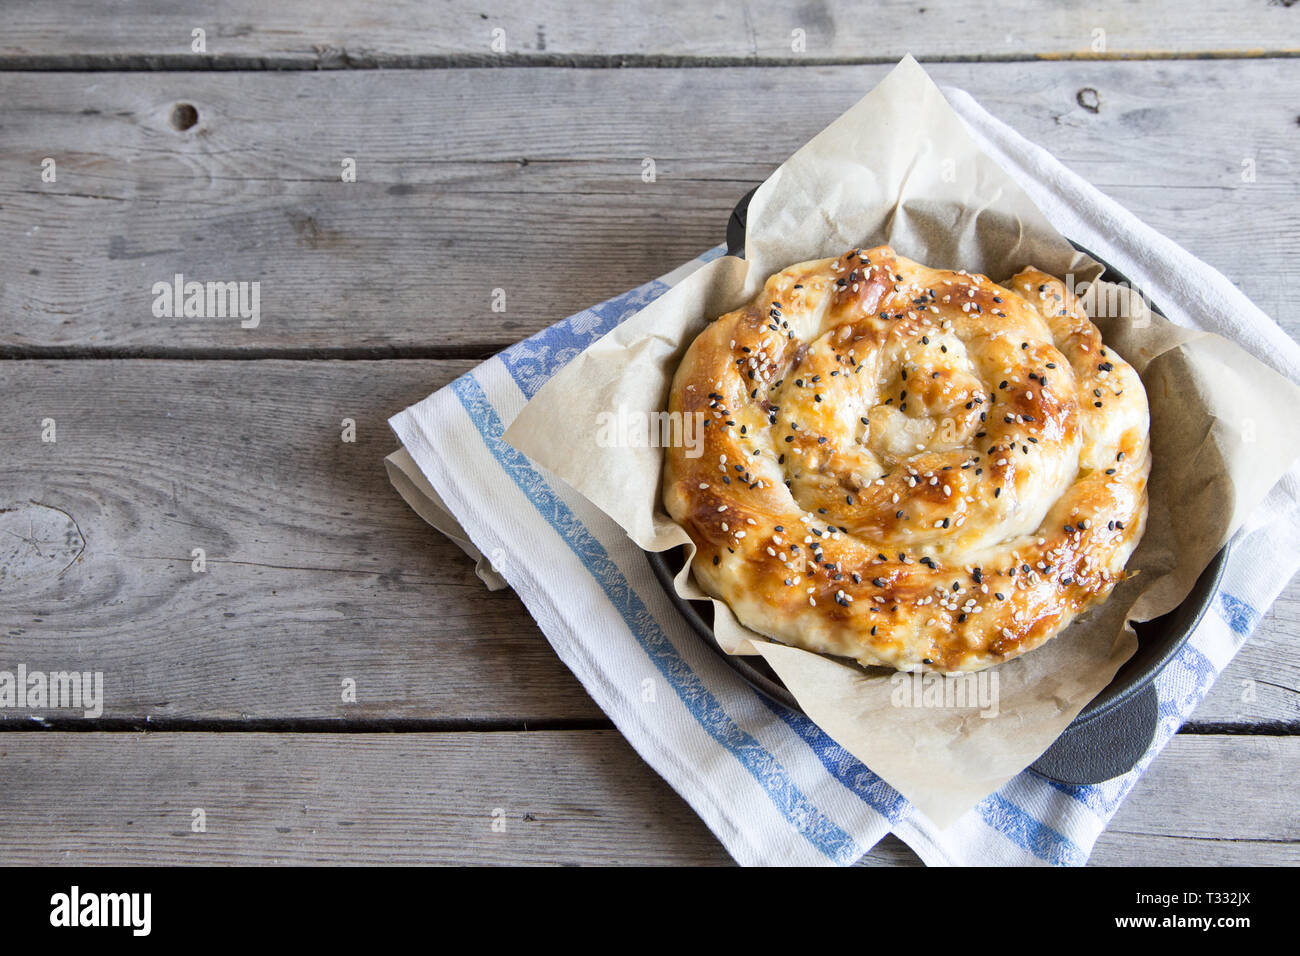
(911, 467)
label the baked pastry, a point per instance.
(911, 467)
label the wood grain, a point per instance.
(564, 797)
(321, 35)
(316, 570)
(530, 181)
(1261, 687)
(1210, 801)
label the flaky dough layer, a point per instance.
(911, 467)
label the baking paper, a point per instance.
(900, 168)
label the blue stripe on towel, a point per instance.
(1011, 821)
(1007, 818)
(843, 766)
(532, 362)
(1239, 615)
(805, 817)
(1031, 834)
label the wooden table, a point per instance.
(477, 168)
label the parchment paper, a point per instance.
(899, 167)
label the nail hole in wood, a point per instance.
(184, 116)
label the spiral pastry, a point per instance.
(910, 467)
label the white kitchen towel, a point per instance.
(767, 781)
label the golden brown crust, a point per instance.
(911, 467)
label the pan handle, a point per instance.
(1105, 747)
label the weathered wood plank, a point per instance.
(1210, 801)
(325, 798)
(461, 172)
(314, 35)
(564, 797)
(316, 571)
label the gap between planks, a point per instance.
(234, 63)
(39, 724)
(343, 725)
(345, 353)
(321, 34)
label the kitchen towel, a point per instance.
(767, 781)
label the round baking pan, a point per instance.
(1116, 727)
